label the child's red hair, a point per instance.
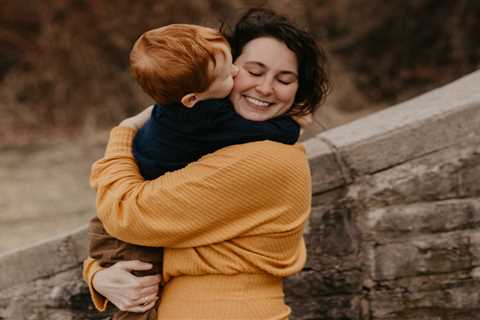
(172, 61)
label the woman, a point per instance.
(232, 222)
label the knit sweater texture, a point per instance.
(231, 224)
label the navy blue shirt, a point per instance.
(175, 136)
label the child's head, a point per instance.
(183, 63)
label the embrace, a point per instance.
(202, 198)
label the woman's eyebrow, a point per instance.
(262, 65)
(256, 63)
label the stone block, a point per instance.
(422, 125)
(455, 300)
(60, 296)
(447, 174)
(317, 283)
(333, 239)
(329, 198)
(327, 172)
(426, 255)
(79, 238)
(341, 307)
(44, 259)
(393, 223)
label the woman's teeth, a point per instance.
(257, 102)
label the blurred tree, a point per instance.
(398, 49)
(64, 63)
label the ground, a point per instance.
(45, 190)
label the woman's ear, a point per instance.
(189, 100)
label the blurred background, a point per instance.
(65, 82)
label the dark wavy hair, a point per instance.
(313, 81)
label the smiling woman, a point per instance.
(281, 57)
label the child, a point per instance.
(188, 71)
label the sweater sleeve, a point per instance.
(254, 188)
(90, 268)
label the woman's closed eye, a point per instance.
(255, 73)
(286, 80)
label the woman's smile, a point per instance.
(255, 102)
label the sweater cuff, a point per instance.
(120, 141)
(90, 268)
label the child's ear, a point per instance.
(189, 100)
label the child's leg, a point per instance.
(101, 246)
(108, 250)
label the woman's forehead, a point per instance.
(269, 52)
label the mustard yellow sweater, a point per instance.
(231, 224)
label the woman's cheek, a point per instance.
(288, 94)
(241, 81)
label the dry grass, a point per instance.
(64, 63)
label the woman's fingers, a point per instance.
(133, 265)
(149, 281)
(141, 305)
(152, 290)
(142, 308)
(135, 295)
(137, 121)
(146, 300)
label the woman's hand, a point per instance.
(137, 121)
(126, 291)
(303, 121)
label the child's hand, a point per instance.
(137, 121)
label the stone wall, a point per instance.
(394, 231)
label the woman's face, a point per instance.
(267, 81)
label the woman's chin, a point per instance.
(254, 116)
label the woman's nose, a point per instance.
(264, 88)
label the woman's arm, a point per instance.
(90, 269)
(260, 187)
(117, 285)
